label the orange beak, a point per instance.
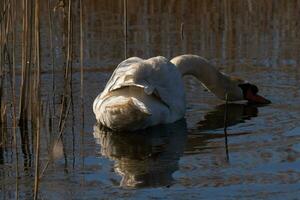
(255, 98)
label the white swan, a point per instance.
(143, 93)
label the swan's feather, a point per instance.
(141, 93)
(157, 76)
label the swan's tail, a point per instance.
(122, 113)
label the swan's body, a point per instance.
(143, 93)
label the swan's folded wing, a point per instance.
(167, 81)
(122, 75)
(157, 76)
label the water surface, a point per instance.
(255, 40)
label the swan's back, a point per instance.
(141, 93)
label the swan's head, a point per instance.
(250, 94)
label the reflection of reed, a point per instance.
(144, 158)
(1, 150)
(25, 146)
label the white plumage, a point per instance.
(141, 93)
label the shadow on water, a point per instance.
(237, 113)
(146, 158)
(208, 129)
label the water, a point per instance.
(255, 40)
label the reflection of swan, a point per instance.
(144, 158)
(237, 113)
(143, 93)
(206, 132)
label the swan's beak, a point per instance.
(255, 98)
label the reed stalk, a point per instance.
(68, 67)
(2, 57)
(81, 75)
(23, 87)
(69, 40)
(14, 21)
(37, 96)
(52, 54)
(81, 61)
(72, 101)
(125, 24)
(182, 31)
(4, 61)
(81, 82)
(225, 126)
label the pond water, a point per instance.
(255, 40)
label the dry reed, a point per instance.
(182, 31)
(27, 106)
(125, 24)
(225, 126)
(14, 21)
(81, 64)
(24, 77)
(37, 96)
(81, 77)
(68, 70)
(52, 54)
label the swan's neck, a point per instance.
(209, 76)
